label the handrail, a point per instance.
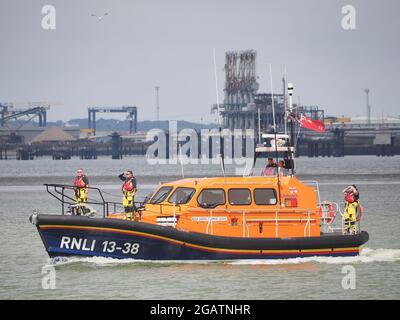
(276, 211)
(315, 185)
(246, 221)
(58, 192)
(282, 219)
(174, 215)
(281, 210)
(209, 223)
(329, 226)
(241, 183)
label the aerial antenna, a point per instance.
(219, 117)
(157, 103)
(181, 161)
(259, 125)
(276, 142)
(285, 97)
(272, 98)
(368, 106)
(290, 93)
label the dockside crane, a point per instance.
(131, 117)
(15, 110)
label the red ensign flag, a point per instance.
(314, 125)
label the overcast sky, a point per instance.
(140, 44)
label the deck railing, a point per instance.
(277, 218)
(329, 211)
(65, 194)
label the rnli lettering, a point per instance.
(83, 244)
(126, 248)
(73, 243)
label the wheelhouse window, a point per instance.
(239, 196)
(181, 195)
(160, 195)
(210, 198)
(265, 196)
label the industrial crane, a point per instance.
(14, 110)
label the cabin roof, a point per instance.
(236, 180)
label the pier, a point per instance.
(335, 142)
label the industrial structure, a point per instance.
(246, 108)
(14, 110)
(243, 107)
(131, 110)
(368, 107)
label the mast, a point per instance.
(284, 99)
(221, 144)
(275, 138)
(259, 125)
(290, 107)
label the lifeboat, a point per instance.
(217, 218)
(205, 219)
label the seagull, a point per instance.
(99, 17)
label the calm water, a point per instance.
(22, 255)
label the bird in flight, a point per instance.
(99, 17)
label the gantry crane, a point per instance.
(131, 110)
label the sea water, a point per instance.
(24, 264)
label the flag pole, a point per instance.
(290, 93)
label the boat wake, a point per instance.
(367, 255)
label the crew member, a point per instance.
(81, 183)
(282, 171)
(269, 169)
(128, 192)
(351, 196)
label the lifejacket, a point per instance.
(349, 197)
(79, 182)
(352, 212)
(269, 171)
(351, 208)
(128, 191)
(80, 189)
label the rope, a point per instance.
(117, 196)
(111, 194)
